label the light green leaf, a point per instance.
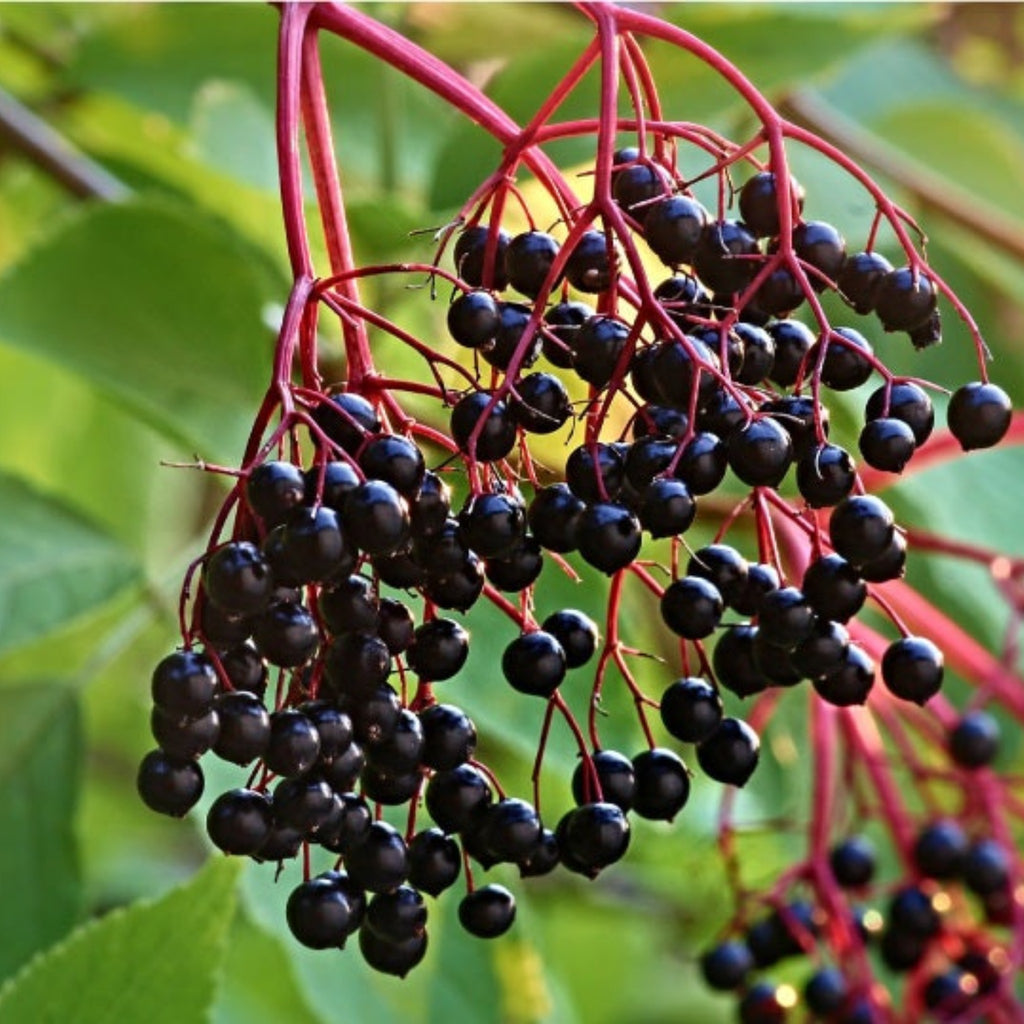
(258, 985)
(40, 769)
(56, 566)
(157, 307)
(154, 962)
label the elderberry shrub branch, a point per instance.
(304, 662)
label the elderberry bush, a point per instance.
(690, 356)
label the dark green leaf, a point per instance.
(56, 566)
(40, 769)
(155, 962)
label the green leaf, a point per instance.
(258, 985)
(154, 962)
(156, 306)
(56, 565)
(40, 769)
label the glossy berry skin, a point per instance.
(319, 913)
(589, 268)
(615, 774)
(861, 528)
(534, 663)
(722, 256)
(691, 709)
(911, 910)
(509, 829)
(541, 404)
(634, 185)
(286, 634)
(381, 861)
(454, 797)
(519, 569)
(356, 663)
(542, 859)
(905, 300)
(887, 444)
(826, 991)
(756, 350)
(470, 257)
(723, 566)
(487, 912)
(553, 516)
(273, 489)
(597, 348)
(939, 850)
(434, 861)
(340, 478)
(346, 418)
(761, 580)
(703, 462)
(492, 524)
(847, 362)
(691, 607)
(851, 682)
(974, 740)
(608, 536)
(376, 518)
(348, 605)
(662, 784)
(563, 321)
(396, 460)
(595, 473)
(528, 260)
(730, 754)
(237, 578)
(395, 958)
(168, 784)
(593, 836)
(785, 617)
(823, 247)
(853, 862)
(398, 915)
(760, 452)
(473, 319)
(429, 509)
(861, 278)
(439, 650)
(239, 821)
(912, 668)
(906, 402)
(979, 415)
(793, 340)
(825, 475)
(673, 227)
(725, 967)
(759, 203)
(458, 590)
(735, 661)
(294, 744)
(497, 436)
(823, 652)
(834, 588)
(514, 322)
(187, 738)
(184, 684)
(576, 632)
(666, 508)
(310, 546)
(244, 727)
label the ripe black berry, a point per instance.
(497, 435)
(294, 743)
(634, 185)
(691, 607)
(662, 784)
(470, 257)
(308, 805)
(666, 508)
(509, 829)
(240, 821)
(834, 588)
(673, 227)
(861, 528)
(397, 958)
(616, 777)
(848, 359)
(244, 727)
(237, 578)
(473, 319)
(825, 475)
(760, 452)
(429, 509)
(396, 460)
(534, 663)
(691, 709)
(785, 617)
(395, 625)
(905, 299)
(376, 518)
(356, 663)
(168, 784)
(184, 684)
(449, 737)
(723, 566)
(760, 581)
(730, 754)
(595, 472)
(974, 740)
(512, 339)
(608, 536)
(458, 589)
(939, 850)
(826, 990)
(487, 912)
(979, 415)
(453, 797)
(986, 867)
(319, 913)
(187, 738)
(861, 278)
(398, 915)
(286, 634)
(703, 462)
(763, 1003)
(346, 418)
(597, 347)
(823, 652)
(528, 260)
(379, 862)
(823, 247)
(887, 444)
(563, 321)
(793, 340)
(723, 258)
(759, 203)
(589, 268)
(853, 862)
(439, 650)
(725, 967)
(851, 682)
(540, 404)
(576, 633)
(273, 489)
(906, 402)
(553, 516)
(912, 668)
(735, 661)
(434, 861)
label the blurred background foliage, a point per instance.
(139, 330)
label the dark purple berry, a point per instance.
(487, 912)
(239, 821)
(534, 663)
(168, 784)
(979, 415)
(730, 754)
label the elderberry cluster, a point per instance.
(314, 637)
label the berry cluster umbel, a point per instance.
(316, 629)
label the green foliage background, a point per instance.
(141, 331)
